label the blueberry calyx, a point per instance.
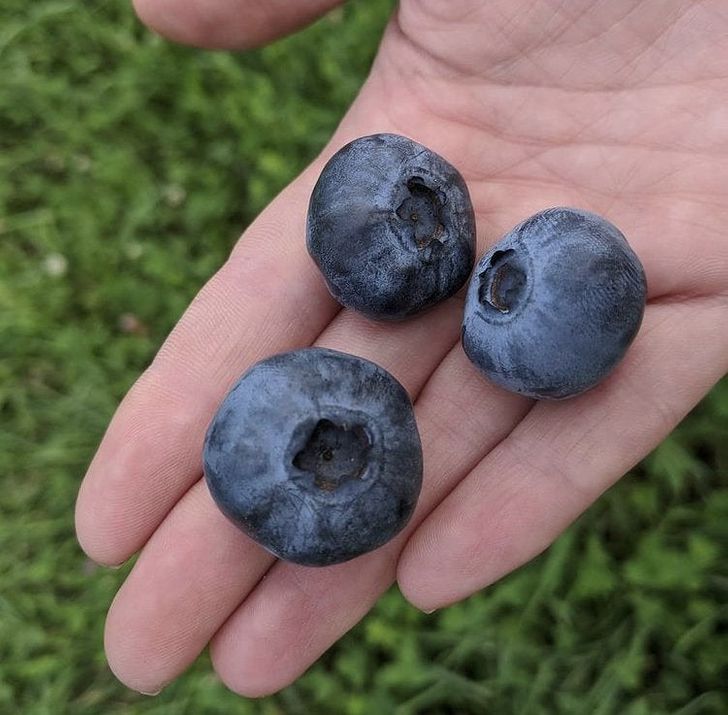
(422, 210)
(334, 453)
(502, 283)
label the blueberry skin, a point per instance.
(553, 307)
(391, 227)
(315, 455)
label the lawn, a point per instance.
(128, 167)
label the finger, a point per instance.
(196, 568)
(266, 298)
(564, 455)
(229, 24)
(296, 613)
(293, 618)
(192, 572)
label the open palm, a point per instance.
(619, 108)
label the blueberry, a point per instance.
(315, 455)
(391, 227)
(553, 307)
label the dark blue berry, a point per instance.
(553, 307)
(391, 227)
(315, 455)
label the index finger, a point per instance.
(265, 299)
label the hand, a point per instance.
(614, 107)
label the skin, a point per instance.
(616, 107)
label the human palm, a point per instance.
(615, 107)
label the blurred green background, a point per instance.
(128, 166)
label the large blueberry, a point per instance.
(554, 305)
(315, 455)
(391, 227)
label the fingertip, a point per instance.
(104, 530)
(241, 681)
(425, 601)
(131, 662)
(419, 583)
(227, 24)
(410, 589)
(100, 551)
(188, 23)
(146, 686)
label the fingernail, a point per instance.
(90, 566)
(150, 694)
(428, 612)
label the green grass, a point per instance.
(127, 168)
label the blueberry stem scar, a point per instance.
(334, 453)
(423, 210)
(502, 282)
